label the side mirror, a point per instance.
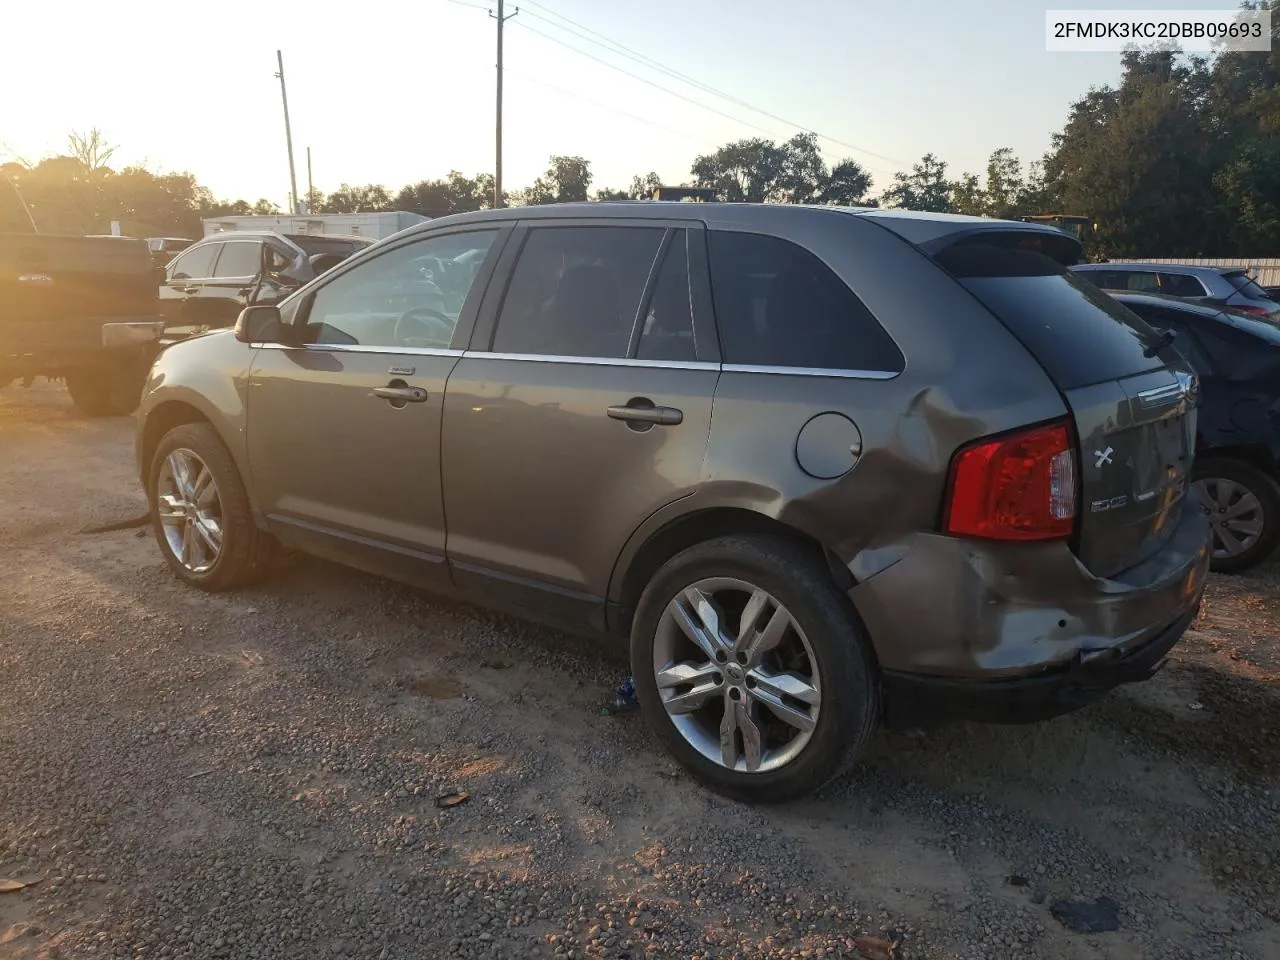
(260, 324)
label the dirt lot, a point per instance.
(254, 775)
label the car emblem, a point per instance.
(1103, 456)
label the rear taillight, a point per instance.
(1018, 486)
(1254, 311)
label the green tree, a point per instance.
(846, 185)
(1139, 159)
(1005, 185)
(763, 171)
(455, 193)
(925, 188)
(370, 198)
(567, 180)
(968, 197)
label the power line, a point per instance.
(605, 106)
(619, 48)
(636, 76)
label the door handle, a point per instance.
(643, 410)
(401, 395)
(188, 290)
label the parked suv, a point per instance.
(1237, 358)
(821, 467)
(1212, 286)
(208, 284)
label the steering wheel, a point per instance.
(438, 327)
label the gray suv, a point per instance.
(822, 468)
(1229, 287)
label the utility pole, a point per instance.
(311, 190)
(497, 165)
(288, 134)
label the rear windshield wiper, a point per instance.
(1159, 343)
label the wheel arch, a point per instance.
(1254, 454)
(648, 550)
(175, 411)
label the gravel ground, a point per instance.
(255, 775)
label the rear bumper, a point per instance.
(919, 701)
(47, 348)
(1017, 631)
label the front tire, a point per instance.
(106, 393)
(200, 512)
(752, 670)
(1243, 503)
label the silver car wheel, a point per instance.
(736, 675)
(1236, 513)
(190, 510)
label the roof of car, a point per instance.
(279, 234)
(918, 227)
(1146, 267)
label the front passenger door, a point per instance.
(183, 281)
(344, 429)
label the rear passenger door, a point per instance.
(236, 273)
(801, 399)
(582, 407)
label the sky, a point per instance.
(396, 91)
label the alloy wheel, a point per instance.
(736, 675)
(190, 510)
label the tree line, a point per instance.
(1180, 158)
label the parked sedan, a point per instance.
(1213, 286)
(1238, 429)
(210, 282)
(944, 475)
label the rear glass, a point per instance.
(1245, 285)
(1263, 329)
(1079, 334)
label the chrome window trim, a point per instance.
(592, 361)
(811, 371)
(363, 348)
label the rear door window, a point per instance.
(195, 264)
(1181, 285)
(666, 331)
(576, 291)
(1080, 335)
(1140, 282)
(239, 258)
(778, 305)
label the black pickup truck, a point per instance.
(81, 309)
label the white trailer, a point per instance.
(373, 225)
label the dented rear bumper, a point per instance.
(1022, 631)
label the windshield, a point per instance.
(1243, 284)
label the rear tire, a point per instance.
(200, 512)
(817, 669)
(1243, 503)
(112, 392)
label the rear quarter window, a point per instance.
(1079, 334)
(1244, 284)
(778, 305)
